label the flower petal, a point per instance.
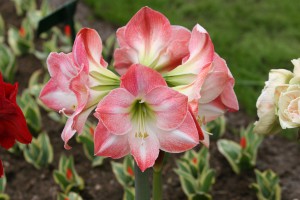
(148, 33)
(68, 132)
(88, 47)
(144, 150)
(108, 144)
(139, 80)
(57, 94)
(170, 107)
(201, 51)
(212, 110)
(58, 98)
(172, 56)
(124, 58)
(181, 139)
(215, 81)
(229, 99)
(114, 110)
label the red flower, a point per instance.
(195, 160)
(243, 142)
(67, 30)
(12, 121)
(22, 32)
(92, 131)
(69, 174)
(130, 171)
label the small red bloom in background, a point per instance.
(13, 125)
(195, 161)
(92, 131)
(66, 198)
(69, 174)
(130, 171)
(22, 32)
(67, 30)
(243, 142)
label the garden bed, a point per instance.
(25, 182)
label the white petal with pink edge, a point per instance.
(180, 139)
(139, 80)
(169, 106)
(145, 150)
(114, 111)
(108, 144)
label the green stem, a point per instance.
(157, 178)
(157, 185)
(142, 186)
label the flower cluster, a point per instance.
(169, 79)
(278, 104)
(13, 124)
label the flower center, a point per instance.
(141, 115)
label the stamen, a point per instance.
(62, 111)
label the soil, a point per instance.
(24, 182)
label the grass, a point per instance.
(253, 36)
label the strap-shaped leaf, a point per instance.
(231, 151)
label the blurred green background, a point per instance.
(253, 36)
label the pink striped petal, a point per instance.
(124, 58)
(229, 99)
(144, 150)
(121, 36)
(88, 47)
(172, 56)
(108, 144)
(148, 33)
(61, 66)
(114, 110)
(184, 138)
(140, 80)
(68, 132)
(212, 110)
(201, 53)
(170, 107)
(58, 98)
(57, 94)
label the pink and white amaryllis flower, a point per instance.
(143, 116)
(79, 80)
(217, 94)
(149, 39)
(184, 58)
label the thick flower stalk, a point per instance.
(143, 116)
(79, 80)
(13, 125)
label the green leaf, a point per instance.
(129, 193)
(188, 182)
(231, 151)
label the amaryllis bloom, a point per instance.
(149, 39)
(289, 107)
(13, 125)
(79, 80)
(183, 57)
(217, 94)
(267, 102)
(143, 116)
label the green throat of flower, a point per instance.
(141, 115)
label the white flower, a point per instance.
(266, 102)
(289, 107)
